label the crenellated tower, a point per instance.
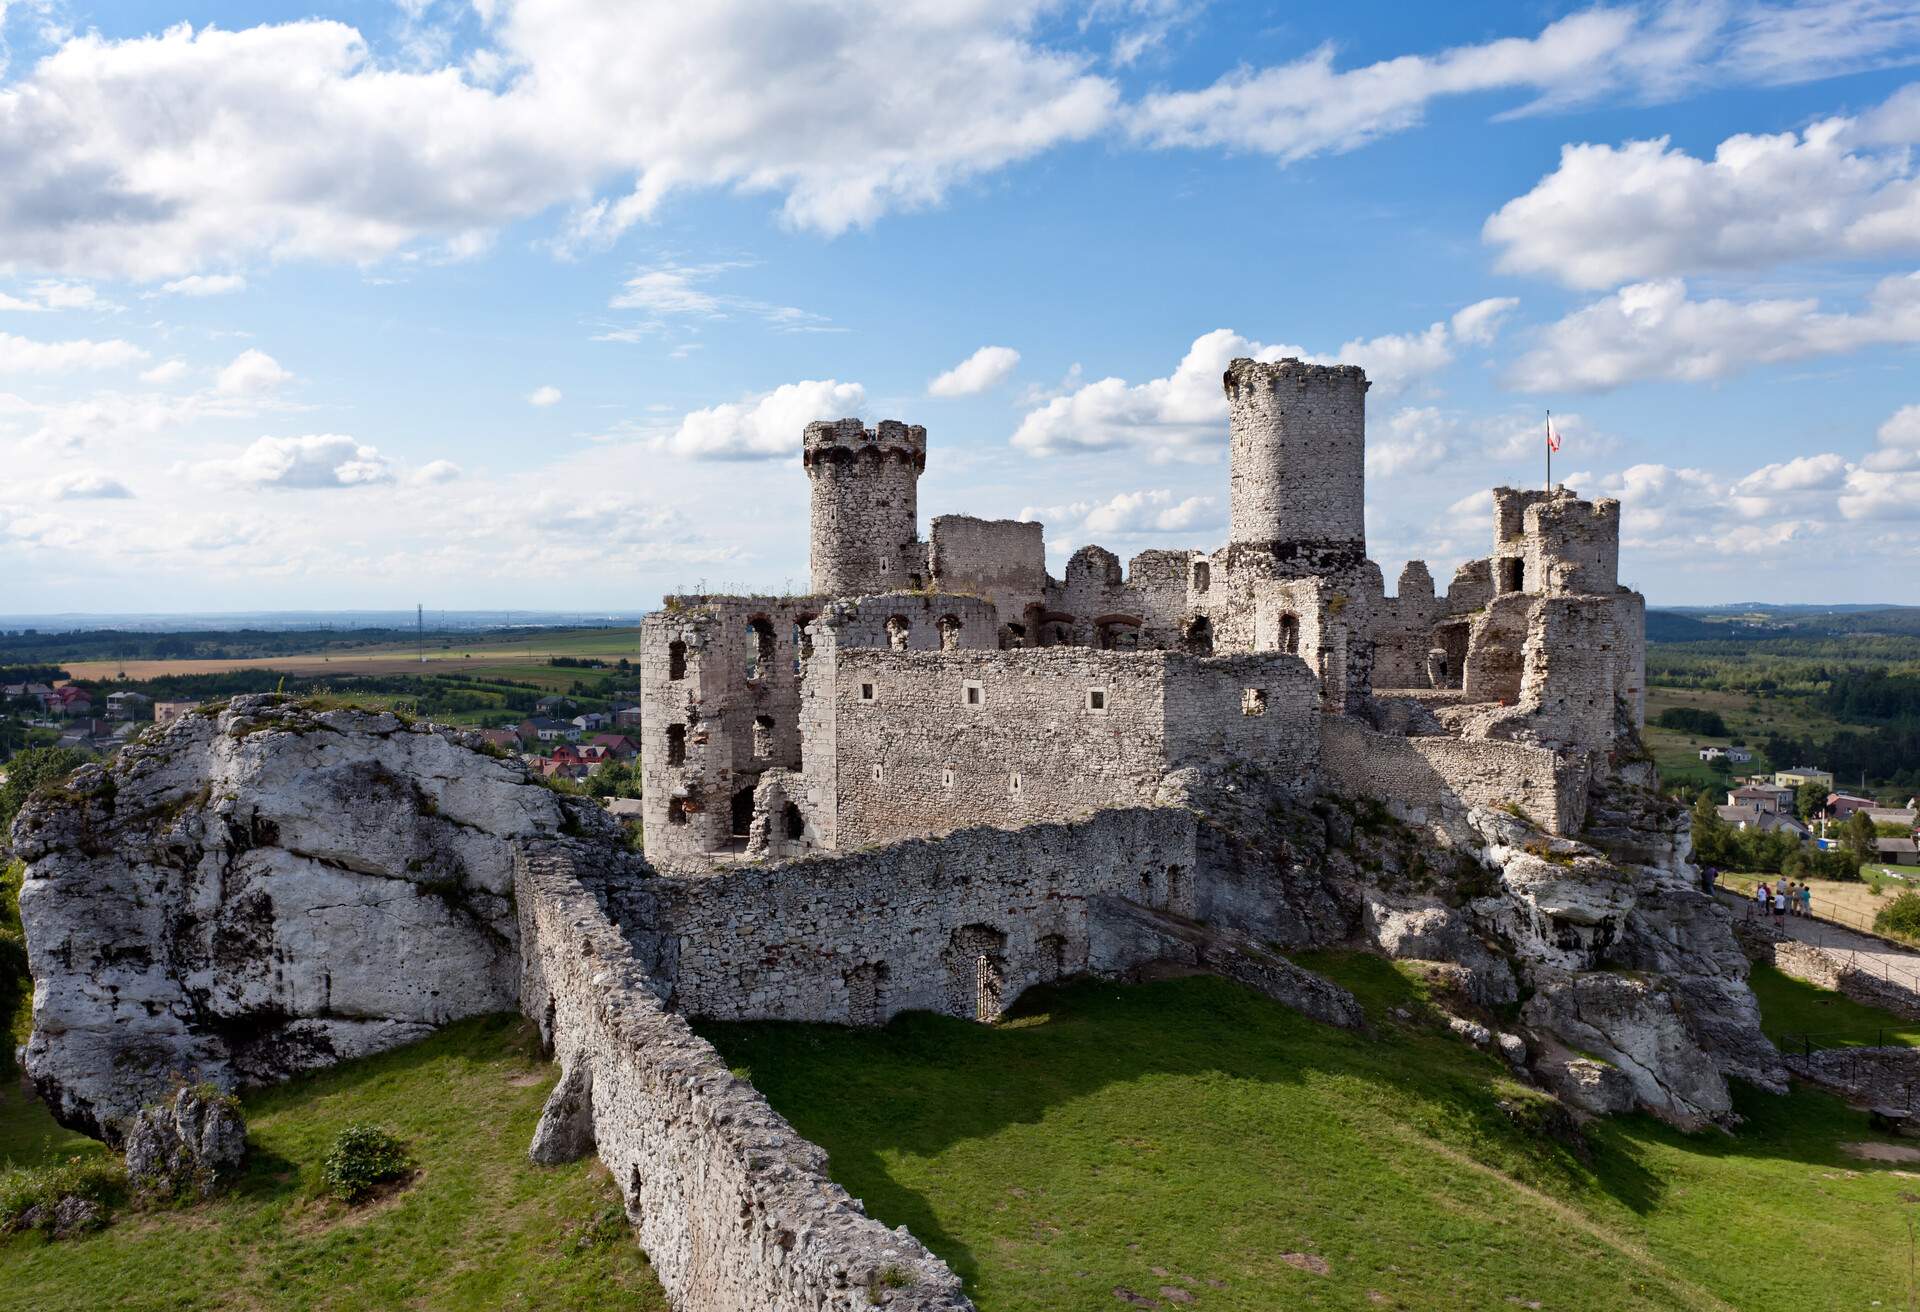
(865, 506)
(1297, 451)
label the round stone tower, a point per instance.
(866, 506)
(1298, 453)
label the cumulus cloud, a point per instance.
(85, 485)
(434, 471)
(1881, 495)
(170, 371)
(1127, 515)
(1654, 330)
(158, 156)
(1644, 210)
(1183, 415)
(762, 427)
(1411, 440)
(322, 460)
(1899, 442)
(206, 284)
(1308, 106)
(21, 355)
(986, 368)
(544, 396)
(251, 373)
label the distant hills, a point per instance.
(1749, 620)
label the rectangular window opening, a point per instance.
(1096, 699)
(973, 694)
(866, 692)
(1253, 701)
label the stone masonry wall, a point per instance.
(1297, 451)
(1002, 560)
(865, 507)
(855, 938)
(907, 744)
(1424, 779)
(734, 1208)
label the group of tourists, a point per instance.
(1786, 898)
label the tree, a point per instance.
(1809, 800)
(1860, 835)
(30, 769)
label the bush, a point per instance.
(363, 1157)
(97, 1179)
(1900, 917)
(1689, 719)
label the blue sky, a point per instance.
(523, 303)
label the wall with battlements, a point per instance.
(865, 516)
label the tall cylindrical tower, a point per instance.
(866, 505)
(1298, 454)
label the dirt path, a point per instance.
(1873, 955)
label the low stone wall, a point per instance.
(1878, 1077)
(734, 1209)
(1825, 969)
(1419, 776)
(858, 937)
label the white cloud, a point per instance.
(1126, 515)
(1645, 210)
(1183, 416)
(544, 396)
(1899, 442)
(323, 460)
(1411, 440)
(986, 368)
(85, 485)
(764, 426)
(159, 156)
(1881, 495)
(23, 355)
(1480, 322)
(434, 471)
(206, 284)
(52, 294)
(674, 291)
(251, 373)
(1653, 330)
(171, 371)
(1308, 107)
(1800, 474)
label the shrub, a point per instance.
(98, 1179)
(1900, 916)
(363, 1157)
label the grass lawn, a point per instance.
(478, 1228)
(1793, 1006)
(1190, 1135)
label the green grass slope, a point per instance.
(1191, 1143)
(479, 1227)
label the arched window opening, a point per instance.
(796, 823)
(763, 736)
(897, 630)
(949, 633)
(676, 660)
(1290, 634)
(1202, 575)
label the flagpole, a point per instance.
(1549, 450)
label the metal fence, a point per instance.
(1842, 942)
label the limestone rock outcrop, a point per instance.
(262, 888)
(188, 1146)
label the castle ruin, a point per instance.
(923, 687)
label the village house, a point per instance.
(1803, 774)
(592, 722)
(617, 745)
(1897, 851)
(544, 729)
(128, 705)
(1770, 799)
(1746, 816)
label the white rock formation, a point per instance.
(262, 889)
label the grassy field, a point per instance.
(479, 1227)
(1188, 1140)
(1789, 1006)
(1750, 717)
(503, 656)
(1849, 903)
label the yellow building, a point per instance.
(1803, 774)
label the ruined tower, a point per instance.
(1297, 450)
(865, 506)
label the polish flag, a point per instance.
(1553, 434)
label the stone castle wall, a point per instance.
(907, 744)
(734, 1208)
(1430, 779)
(857, 937)
(1002, 560)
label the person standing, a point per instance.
(1780, 907)
(1763, 897)
(1806, 900)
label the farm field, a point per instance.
(512, 657)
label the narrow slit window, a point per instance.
(866, 692)
(676, 744)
